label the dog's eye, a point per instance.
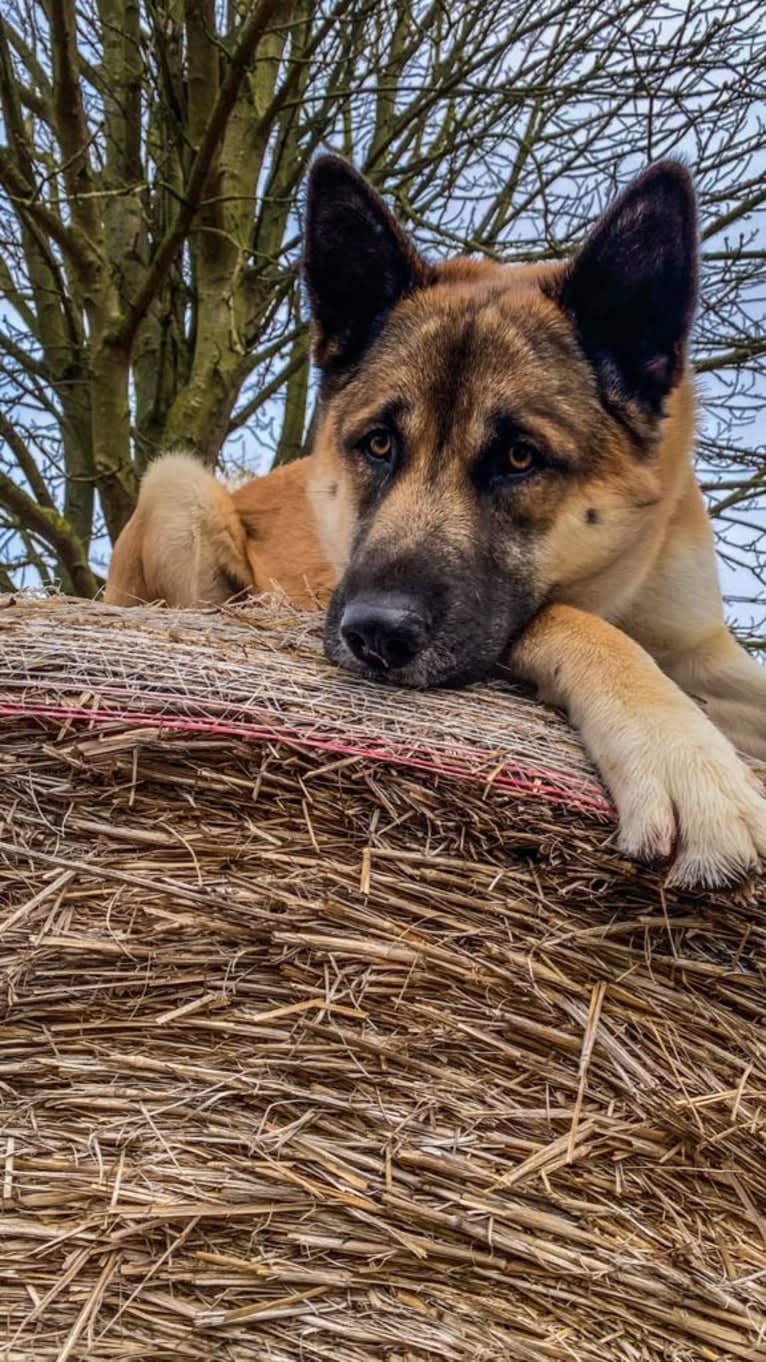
(508, 457)
(378, 446)
(521, 459)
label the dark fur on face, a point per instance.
(491, 432)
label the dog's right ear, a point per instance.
(631, 289)
(357, 262)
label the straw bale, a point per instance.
(335, 1027)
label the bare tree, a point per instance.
(151, 170)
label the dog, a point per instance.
(502, 477)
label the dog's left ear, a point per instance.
(357, 262)
(632, 288)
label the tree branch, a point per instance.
(240, 59)
(26, 463)
(51, 527)
(71, 123)
(726, 359)
(297, 361)
(74, 244)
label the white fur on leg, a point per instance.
(677, 781)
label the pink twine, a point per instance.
(539, 782)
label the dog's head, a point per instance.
(488, 436)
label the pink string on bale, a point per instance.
(256, 673)
(543, 784)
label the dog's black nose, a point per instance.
(384, 632)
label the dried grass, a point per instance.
(336, 1028)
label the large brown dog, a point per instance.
(502, 473)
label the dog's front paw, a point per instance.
(682, 791)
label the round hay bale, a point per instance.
(336, 1028)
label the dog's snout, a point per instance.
(385, 632)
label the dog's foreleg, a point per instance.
(677, 782)
(678, 617)
(729, 684)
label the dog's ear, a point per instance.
(632, 288)
(357, 262)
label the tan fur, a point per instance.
(283, 547)
(191, 541)
(184, 543)
(645, 570)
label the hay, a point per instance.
(336, 1027)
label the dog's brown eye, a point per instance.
(378, 445)
(521, 458)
